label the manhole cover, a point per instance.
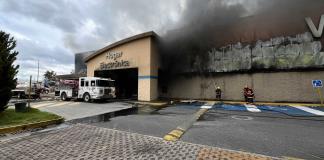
(246, 118)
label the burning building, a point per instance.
(79, 65)
(267, 45)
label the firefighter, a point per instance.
(245, 90)
(248, 94)
(218, 93)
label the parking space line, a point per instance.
(309, 110)
(60, 104)
(42, 105)
(252, 108)
(207, 106)
(73, 103)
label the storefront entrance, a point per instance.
(126, 81)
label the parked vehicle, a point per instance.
(86, 88)
(22, 91)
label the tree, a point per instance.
(50, 75)
(8, 70)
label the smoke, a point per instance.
(208, 24)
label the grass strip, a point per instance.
(11, 118)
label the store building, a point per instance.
(279, 69)
(133, 63)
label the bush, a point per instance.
(8, 70)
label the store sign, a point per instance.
(117, 63)
(114, 55)
(317, 32)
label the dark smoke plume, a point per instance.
(208, 24)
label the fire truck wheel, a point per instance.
(86, 97)
(63, 96)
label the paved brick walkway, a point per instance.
(88, 142)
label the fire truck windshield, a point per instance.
(105, 83)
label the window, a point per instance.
(87, 83)
(93, 83)
(82, 82)
(105, 83)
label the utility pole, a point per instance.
(37, 70)
(30, 88)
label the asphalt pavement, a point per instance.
(150, 121)
(280, 131)
(265, 132)
(75, 110)
(72, 110)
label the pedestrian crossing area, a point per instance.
(53, 104)
(293, 110)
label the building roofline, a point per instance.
(121, 42)
(86, 52)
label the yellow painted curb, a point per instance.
(170, 138)
(40, 124)
(174, 135)
(290, 158)
(180, 130)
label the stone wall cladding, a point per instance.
(268, 87)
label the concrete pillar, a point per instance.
(147, 88)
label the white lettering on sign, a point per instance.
(114, 55)
(116, 63)
(317, 32)
(113, 65)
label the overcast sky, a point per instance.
(51, 31)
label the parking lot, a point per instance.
(266, 132)
(280, 131)
(72, 110)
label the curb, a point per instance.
(270, 103)
(101, 117)
(30, 126)
(176, 134)
(152, 103)
(256, 103)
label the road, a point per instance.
(269, 133)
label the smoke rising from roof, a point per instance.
(208, 24)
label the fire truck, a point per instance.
(86, 88)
